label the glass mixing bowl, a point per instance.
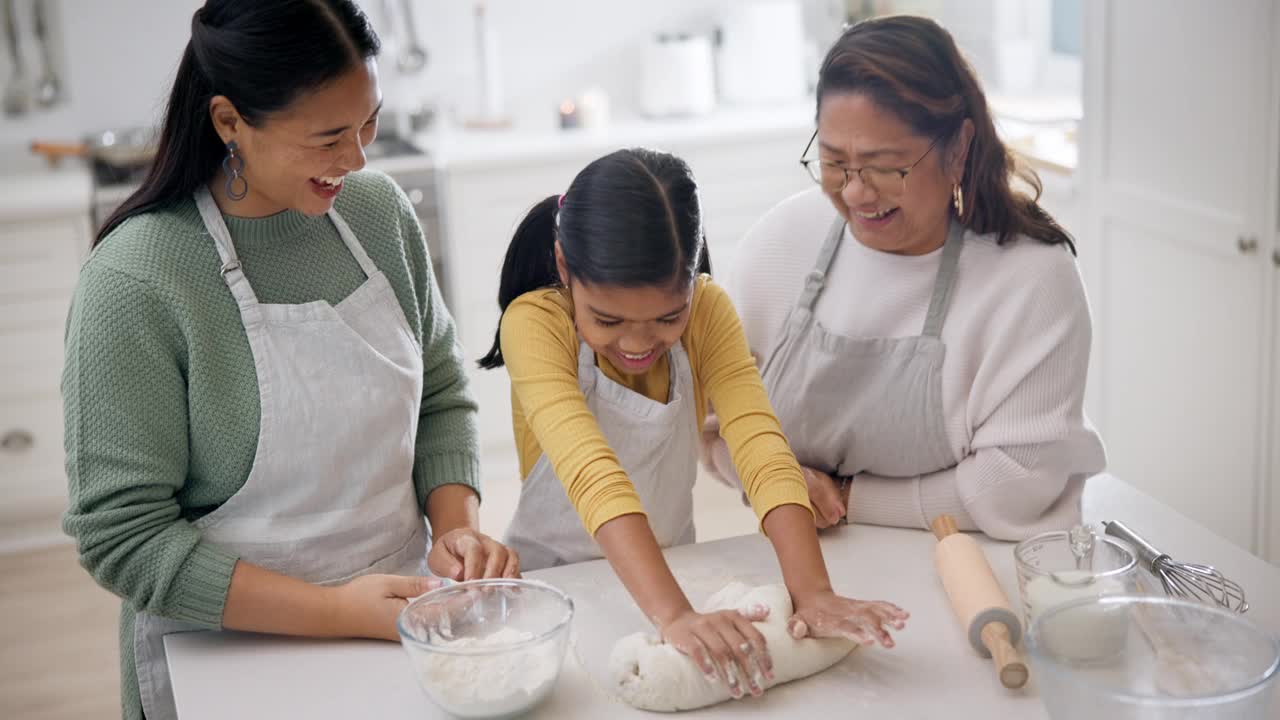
(487, 648)
(1172, 660)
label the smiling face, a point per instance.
(854, 132)
(632, 326)
(296, 158)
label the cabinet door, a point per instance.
(1271, 475)
(39, 256)
(1177, 101)
(481, 211)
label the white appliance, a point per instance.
(677, 76)
(764, 58)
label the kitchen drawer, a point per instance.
(477, 322)
(492, 391)
(31, 345)
(41, 255)
(31, 445)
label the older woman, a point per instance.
(922, 327)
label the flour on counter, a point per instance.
(478, 686)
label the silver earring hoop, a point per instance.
(233, 168)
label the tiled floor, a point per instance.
(58, 654)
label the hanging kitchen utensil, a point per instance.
(1192, 581)
(413, 57)
(48, 87)
(17, 96)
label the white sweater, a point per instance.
(1017, 338)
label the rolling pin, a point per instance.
(979, 602)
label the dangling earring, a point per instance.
(233, 168)
(957, 199)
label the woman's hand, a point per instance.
(368, 606)
(826, 614)
(824, 495)
(725, 646)
(467, 554)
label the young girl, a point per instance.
(615, 340)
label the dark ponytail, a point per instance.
(261, 56)
(631, 218)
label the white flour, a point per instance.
(479, 686)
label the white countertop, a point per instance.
(452, 146)
(1047, 148)
(30, 189)
(932, 673)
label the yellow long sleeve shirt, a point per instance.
(550, 414)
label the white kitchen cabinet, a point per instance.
(1271, 476)
(40, 258)
(739, 178)
(1179, 165)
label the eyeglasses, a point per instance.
(834, 177)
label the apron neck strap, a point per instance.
(232, 273)
(353, 245)
(945, 282)
(817, 278)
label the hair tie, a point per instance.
(560, 204)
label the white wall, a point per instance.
(117, 59)
(118, 56)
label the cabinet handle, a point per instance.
(17, 441)
(1248, 244)
(1275, 257)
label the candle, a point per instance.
(568, 115)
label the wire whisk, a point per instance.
(1203, 583)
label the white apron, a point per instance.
(657, 445)
(330, 495)
(852, 405)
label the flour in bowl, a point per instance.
(489, 685)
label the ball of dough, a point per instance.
(652, 675)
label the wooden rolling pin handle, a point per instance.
(1010, 667)
(944, 525)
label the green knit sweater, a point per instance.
(161, 397)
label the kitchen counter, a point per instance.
(932, 673)
(451, 146)
(30, 188)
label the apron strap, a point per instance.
(816, 279)
(945, 282)
(586, 366)
(348, 237)
(232, 273)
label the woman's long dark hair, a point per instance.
(261, 55)
(911, 67)
(629, 219)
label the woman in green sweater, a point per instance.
(263, 390)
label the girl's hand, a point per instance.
(826, 614)
(725, 646)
